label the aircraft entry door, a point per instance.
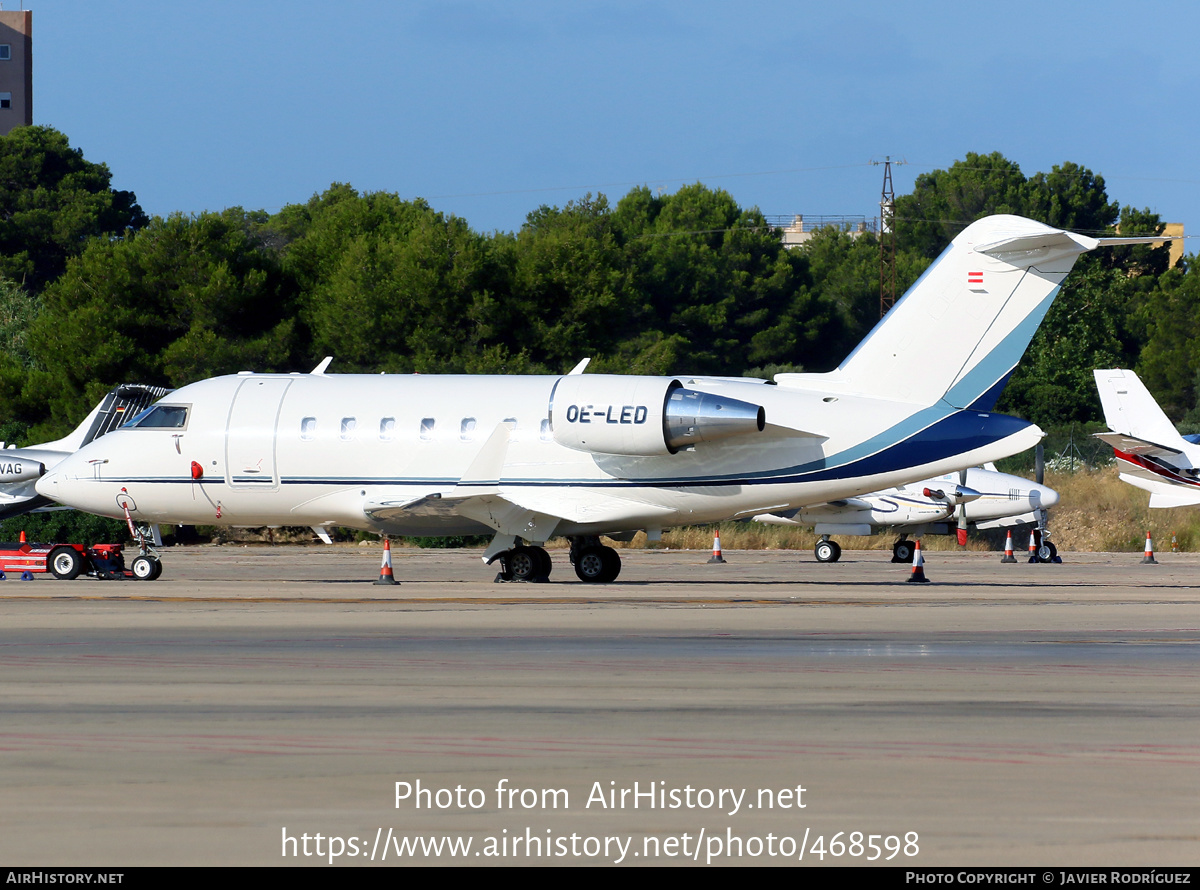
(250, 436)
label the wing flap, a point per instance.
(1134, 445)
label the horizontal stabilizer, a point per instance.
(1047, 241)
(1166, 500)
(1134, 445)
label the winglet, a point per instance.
(578, 369)
(319, 370)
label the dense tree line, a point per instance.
(94, 293)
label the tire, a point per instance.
(612, 561)
(1047, 552)
(597, 565)
(157, 568)
(65, 563)
(902, 551)
(524, 563)
(547, 562)
(827, 551)
(143, 568)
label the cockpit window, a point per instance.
(161, 417)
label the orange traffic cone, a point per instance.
(716, 557)
(1008, 549)
(1033, 547)
(918, 569)
(1148, 559)
(385, 571)
(22, 536)
(1174, 543)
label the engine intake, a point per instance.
(617, 414)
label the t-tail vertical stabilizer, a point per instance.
(974, 311)
(1131, 410)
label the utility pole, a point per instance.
(887, 239)
(887, 242)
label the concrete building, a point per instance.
(16, 69)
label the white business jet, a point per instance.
(584, 455)
(1150, 452)
(978, 497)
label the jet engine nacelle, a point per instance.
(617, 414)
(18, 469)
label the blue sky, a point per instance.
(489, 109)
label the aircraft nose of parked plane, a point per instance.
(59, 484)
(1043, 497)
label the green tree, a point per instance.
(1086, 328)
(52, 201)
(944, 202)
(393, 285)
(182, 299)
(1169, 363)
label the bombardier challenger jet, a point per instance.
(589, 455)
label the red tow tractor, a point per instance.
(67, 561)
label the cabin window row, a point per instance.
(348, 428)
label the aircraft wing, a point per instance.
(583, 507)
(1134, 445)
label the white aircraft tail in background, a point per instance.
(1150, 452)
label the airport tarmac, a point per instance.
(1032, 715)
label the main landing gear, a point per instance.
(593, 562)
(525, 563)
(903, 549)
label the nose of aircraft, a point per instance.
(1044, 497)
(57, 483)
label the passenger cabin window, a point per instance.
(308, 427)
(387, 429)
(348, 425)
(161, 417)
(427, 428)
(467, 431)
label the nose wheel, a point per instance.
(827, 550)
(146, 568)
